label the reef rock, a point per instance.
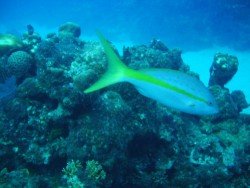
(239, 99)
(70, 29)
(8, 43)
(230, 105)
(157, 55)
(223, 69)
(31, 39)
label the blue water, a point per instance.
(185, 24)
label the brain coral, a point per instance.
(19, 63)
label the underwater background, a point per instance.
(54, 135)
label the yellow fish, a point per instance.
(172, 88)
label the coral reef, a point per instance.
(54, 135)
(69, 29)
(240, 100)
(9, 43)
(70, 174)
(230, 104)
(95, 172)
(7, 90)
(223, 69)
(19, 64)
(156, 55)
(31, 39)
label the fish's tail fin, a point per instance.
(116, 69)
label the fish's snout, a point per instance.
(215, 108)
(212, 106)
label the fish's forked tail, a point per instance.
(116, 69)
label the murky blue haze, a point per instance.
(185, 24)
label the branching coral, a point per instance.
(95, 172)
(70, 174)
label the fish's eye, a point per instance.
(209, 103)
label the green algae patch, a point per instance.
(8, 43)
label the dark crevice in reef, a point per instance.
(56, 131)
(9, 164)
(147, 145)
(54, 167)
